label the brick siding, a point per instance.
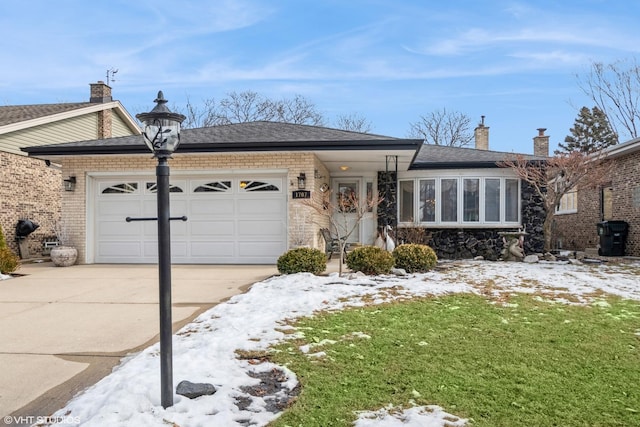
(29, 189)
(578, 231)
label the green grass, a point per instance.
(524, 363)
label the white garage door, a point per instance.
(231, 220)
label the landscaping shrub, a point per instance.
(370, 260)
(414, 258)
(9, 262)
(302, 260)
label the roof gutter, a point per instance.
(228, 147)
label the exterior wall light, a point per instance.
(70, 184)
(302, 181)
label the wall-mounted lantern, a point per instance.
(70, 184)
(302, 181)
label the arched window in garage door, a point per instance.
(152, 187)
(120, 188)
(214, 187)
(250, 186)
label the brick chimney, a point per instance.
(481, 134)
(100, 94)
(541, 144)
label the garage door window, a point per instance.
(122, 188)
(257, 186)
(214, 187)
(152, 187)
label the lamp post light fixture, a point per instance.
(162, 135)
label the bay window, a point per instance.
(449, 200)
(471, 200)
(427, 200)
(512, 200)
(459, 201)
(405, 204)
(492, 199)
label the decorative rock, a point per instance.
(357, 275)
(550, 257)
(398, 271)
(194, 390)
(478, 258)
(531, 259)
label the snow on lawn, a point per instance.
(205, 350)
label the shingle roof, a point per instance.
(19, 113)
(445, 157)
(251, 136)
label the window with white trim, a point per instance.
(460, 201)
(568, 203)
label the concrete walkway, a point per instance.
(63, 329)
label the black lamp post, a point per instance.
(162, 136)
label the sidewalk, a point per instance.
(63, 329)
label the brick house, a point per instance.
(31, 187)
(238, 186)
(619, 199)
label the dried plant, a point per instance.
(298, 232)
(61, 230)
(343, 213)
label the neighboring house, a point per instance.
(238, 186)
(579, 212)
(30, 187)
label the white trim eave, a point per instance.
(621, 149)
(115, 105)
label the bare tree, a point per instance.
(342, 213)
(615, 89)
(555, 177)
(442, 127)
(297, 110)
(353, 122)
(199, 116)
(249, 106)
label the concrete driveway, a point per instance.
(63, 329)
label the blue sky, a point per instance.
(514, 62)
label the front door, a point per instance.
(347, 201)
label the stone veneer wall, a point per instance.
(29, 189)
(578, 231)
(75, 203)
(388, 189)
(464, 243)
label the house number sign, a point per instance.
(301, 194)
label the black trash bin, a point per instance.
(613, 237)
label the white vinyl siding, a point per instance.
(79, 128)
(119, 127)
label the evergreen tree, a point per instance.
(591, 132)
